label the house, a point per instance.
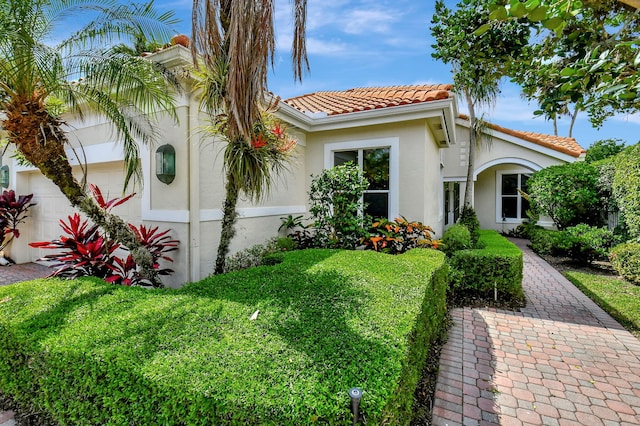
(410, 139)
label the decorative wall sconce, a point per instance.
(166, 164)
(4, 176)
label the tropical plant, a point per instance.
(81, 76)
(399, 236)
(236, 41)
(337, 207)
(250, 169)
(13, 212)
(88, 251)
(478, 61)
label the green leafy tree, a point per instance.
(479, 61)
(568, 194)
(235, 40)
(594, 61)
(603, 149)
(36, 79)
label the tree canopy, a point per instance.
(585, 55)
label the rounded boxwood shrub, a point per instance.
(456, 238)
(625, 259)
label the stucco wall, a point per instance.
(419, 165)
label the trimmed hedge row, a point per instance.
(85, 352)
(477, 272)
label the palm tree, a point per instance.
(35, 78)
(235, 41)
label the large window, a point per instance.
(375, 166)
(378, 161)
(512, 206)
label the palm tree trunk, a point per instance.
(229, 218)
(468, 191)
(39, 137)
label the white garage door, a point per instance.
(44, 223)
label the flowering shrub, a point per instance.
(399, 236)
(87, 251)
(13, 212)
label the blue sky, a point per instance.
(363, 43)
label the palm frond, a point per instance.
(119, 22)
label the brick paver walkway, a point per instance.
(560, 361)
(26, 271)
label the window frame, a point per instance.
(360, 145)
(521, 215)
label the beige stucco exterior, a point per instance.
(422, 159)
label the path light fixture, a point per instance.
(4, 177)
(355, 394)
(166, 164)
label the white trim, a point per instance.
(95, 154)
(211, 215)
(499, 174)
(524, 143)
(173, 216)
(507, 160)
(455, 179)
(393, 143)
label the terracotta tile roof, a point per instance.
(363, 99)
(562, 144)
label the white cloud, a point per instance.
(368, 21)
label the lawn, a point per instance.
(618, 297)
(85, 352)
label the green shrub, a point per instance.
(457, 237)
(469, 219)
(84, 352)
(584, 243)
(567, 193)
(336, 200)
(625, 259)
(581, 243)
(543, 241)
(626, 187)
(498, 265)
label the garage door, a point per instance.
(52, 206)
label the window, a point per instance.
(378, 161)
(375, 166)
(512, 206)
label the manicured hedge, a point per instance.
(477, 272)
(84, 352)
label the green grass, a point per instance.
(616, 296)
(90, 353)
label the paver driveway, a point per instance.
(560, 361)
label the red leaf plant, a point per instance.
(13, 212)
(88, 251)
